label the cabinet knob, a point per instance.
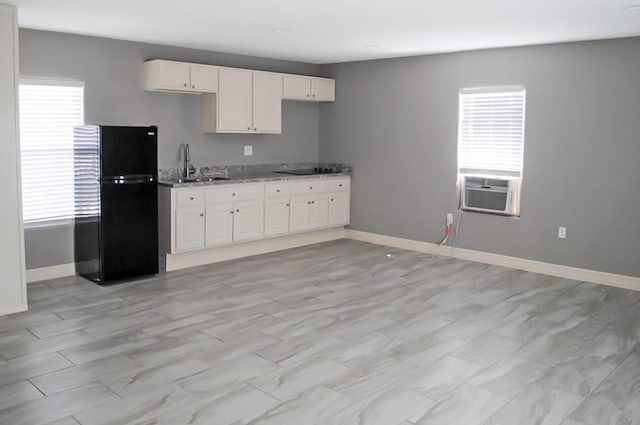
(313, 95)
(230, 212)
(308, 202)
(191, 198)
(233, 194)
(278, 190)
(340, 185)
(193, 86)
(287, 204)
(201, 215)
(237, 210)
(185, 84)
(255, 128)
(331, 199)
(313, 202)
(310, 187)
(307, 95)
(248, 128)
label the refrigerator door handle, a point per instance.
(133, 179)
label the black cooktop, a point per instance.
(309, 172)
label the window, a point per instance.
(491, 131)
(491, 148)
(48, 111)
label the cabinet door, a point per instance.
(248, 221)
(319, 211)
(234, 100)
(173, 75)
(219, 224)
(339, 208)
(323, 89)
(189, 228)
(276, 216)
(267, 103)
(296, 87)
(299, 213)
(204, 78)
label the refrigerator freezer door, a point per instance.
(128, 151)
(129, 226)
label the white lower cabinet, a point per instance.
(233, 222)
(219, 224)
(309, 212)
(190, 228)
(221, 215)
(276, 216)
(300, 206)
(319, 211)
(339, 208)
(247, 220)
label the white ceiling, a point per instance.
(326, 31)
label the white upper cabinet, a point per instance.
(296, 87)
(234, 102)
(237, 100)
(171, 75)
(267, 102)
(204, 78)
(162, 75)
(247, 102)
(323, 89)
(300, 87)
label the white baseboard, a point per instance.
(52, 272)
(567, 272)
(13, 309)
(246, 249)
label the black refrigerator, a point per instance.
(116, 202)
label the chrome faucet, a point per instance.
(189, 169)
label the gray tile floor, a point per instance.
(338, 333)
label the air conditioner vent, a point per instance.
(491, 195)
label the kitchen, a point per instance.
(394, 313)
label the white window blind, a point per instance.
(491, 131)
(48, 111)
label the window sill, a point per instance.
(491, 213)
(66, 222)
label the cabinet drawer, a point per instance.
(276, 189)
(229, 193)
(339, 184)
(188, 197)
(309, 186)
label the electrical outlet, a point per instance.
(562, 232)
(248, 150)
(449, 219)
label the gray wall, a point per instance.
(396, 122)
(112, 72)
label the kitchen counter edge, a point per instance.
(250, 179)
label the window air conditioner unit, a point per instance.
(491, 195)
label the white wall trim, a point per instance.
(51, 272)
(12, 310)
(246, 249)
(567, 272)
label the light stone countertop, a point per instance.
(249, 178)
